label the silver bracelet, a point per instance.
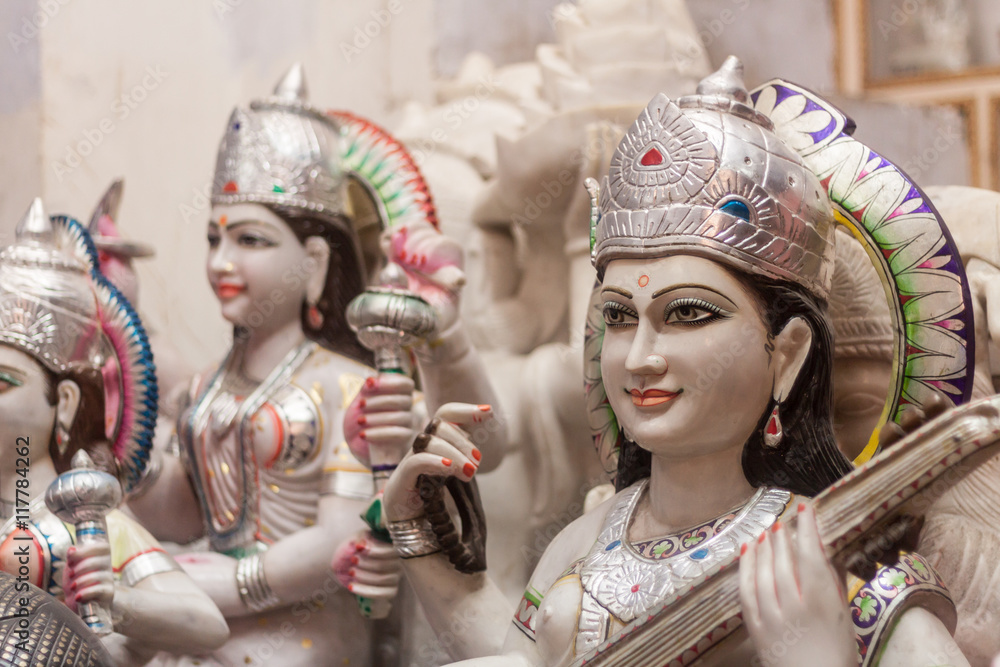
(250, 581)
(413, 538)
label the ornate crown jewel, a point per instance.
(48, 307)
(707, 175)
(282, 151)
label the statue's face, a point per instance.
(256, 266)
(24, 410)
(686, 360)
(860, 387)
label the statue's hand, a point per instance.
(793, 602)
(444, 449)
(365, 566)
(88, 576)
(433, 264)
(381, 416)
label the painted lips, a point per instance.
(227, 290)
(652, 397)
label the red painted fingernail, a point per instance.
(362, 403)
(762, 536)
(476, 454)
(350, 587)
(363, 435)
(402, 255)
(79, 596)
(446, 463)
(355, 560)
(743, 549)
(776, 527)
(370, 383)
(360, 546)
(350, 572)
(802, 507)
(469, 469)
(362, 420)
(485, 408)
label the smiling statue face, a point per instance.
(24, 410)
(686, 360)
(256, 266)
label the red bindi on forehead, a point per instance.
(223, 219)
(643, 280)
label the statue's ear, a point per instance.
(791, 348)
(318, 251)
(68, 394)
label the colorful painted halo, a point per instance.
(906, 239)
(386, 170)
(132, 372)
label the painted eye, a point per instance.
(254, 241)
(618, 315)
(737, 208)
(692, 311)
(8, 381)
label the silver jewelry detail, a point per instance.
(627, 585)
(708, 175)
(238, 531)
(413, 538)
(146, 565)
(254, 590)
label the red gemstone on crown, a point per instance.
(635, 589)
(230, 187)
(651, 157)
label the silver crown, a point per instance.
(707, 175)
(48, 307)
(282, 151)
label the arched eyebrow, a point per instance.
(617, 290)
(671, 288)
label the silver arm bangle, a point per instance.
(253, 588)
(413, 538)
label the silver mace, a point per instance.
(387, 319)
(83, 496)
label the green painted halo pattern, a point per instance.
(378, 159)
(905, 237)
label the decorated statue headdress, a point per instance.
(56, 307)
(756, 181)
(345, 169)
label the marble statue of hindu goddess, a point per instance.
(301, 198)
(709, 369)
(67, 335)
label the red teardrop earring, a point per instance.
(314, 316)
(772, 430)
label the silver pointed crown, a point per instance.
(707, 175)
(48, 307)
(282, 151)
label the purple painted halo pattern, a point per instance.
(905, 238)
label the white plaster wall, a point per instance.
(181, 67)
(20, 112)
